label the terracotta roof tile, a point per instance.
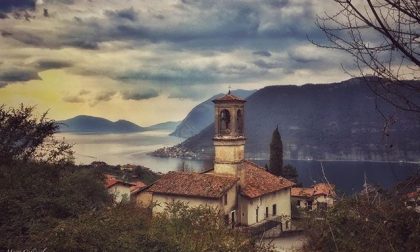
(193, 184)
(258, 182)
(315, 190)
(324, 189)
(302, 192)
(136, 186)
(110, 181)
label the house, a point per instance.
(412, 200)
(121, 189)
(243, 191)
(319, 196)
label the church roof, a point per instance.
(229, 98)
(193, 184)
(258, 182)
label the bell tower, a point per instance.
(229, 140)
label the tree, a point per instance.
(383, 37)
(276, 154)
(360, 224)
(24, 137)
(35, 197)
(290, 172)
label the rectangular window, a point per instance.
(225, 199)
(266, 212)
(256, 214)
(298, 203)
(274, 210)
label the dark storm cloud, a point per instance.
(24, 37)
(52, 64)
(277, 3)
(3, 15)
(10, 5)
(262, 53)
(214, 26)
(17, 74)
(268, 64)
(171, 76)
(129, 14)
(143, 94)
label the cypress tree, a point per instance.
(276, 154)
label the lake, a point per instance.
(132, 148)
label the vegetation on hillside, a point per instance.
(378, 223)
(63, 207)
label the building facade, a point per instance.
(245, 193)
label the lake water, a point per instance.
(132, 148)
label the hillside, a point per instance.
(202, 116)
(163, 126)
(84, 123)
(336, 121)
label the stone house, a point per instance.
(120, 189)
(243, 191)
(321, 195)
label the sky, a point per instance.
(153, 61)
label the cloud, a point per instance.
(3, 15)
(262, 53)
(45, 64)
(142, 94)
(73, 99)
(17, 75)
(84, 92)
(103, 96)
(268, 64)
(128, 14)
(10, 5)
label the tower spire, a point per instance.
(229, 89)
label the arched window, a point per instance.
(239, 122)
(224, 121)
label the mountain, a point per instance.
(84, 123)
(338, 121)
(202, 116)
(164, 126)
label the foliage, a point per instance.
(359, 224)
(276, 154)
(146, 175)
(120, 228)
(199, 229)
(68, 209)
(34, 197)
(24, 137)
(290, 172)
(382, 36)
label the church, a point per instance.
(244, 192)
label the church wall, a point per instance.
(280, 198)
(231, 201)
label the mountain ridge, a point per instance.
(335, 121)
(94, 124)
